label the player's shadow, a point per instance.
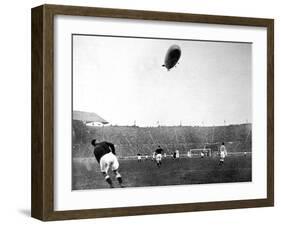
(25, 212)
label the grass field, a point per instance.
(86, 172)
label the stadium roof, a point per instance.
(88, 117)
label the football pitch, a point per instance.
(86, 172)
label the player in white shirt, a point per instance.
(177, 154)
(222, 153)
(158, 156)
(153, 156)
(139, 157)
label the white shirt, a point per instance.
(223, 152)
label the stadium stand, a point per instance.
(130, 140)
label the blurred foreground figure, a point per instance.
(106, 157)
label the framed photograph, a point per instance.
(142, 112)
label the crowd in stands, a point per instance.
(131, 140)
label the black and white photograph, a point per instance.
(150, 111)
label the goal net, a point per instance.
(200, 152)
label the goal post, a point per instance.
(200, 152)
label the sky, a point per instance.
(122, 80)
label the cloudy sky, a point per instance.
(121, 79)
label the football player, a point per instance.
(158, 156)
(222, 153)
(177, 154)
(139, 157)
(153, 156)
(106, 157)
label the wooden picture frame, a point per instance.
(42, 203)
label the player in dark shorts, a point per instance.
(106, 157)
(158, 156)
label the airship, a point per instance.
(172, 57)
